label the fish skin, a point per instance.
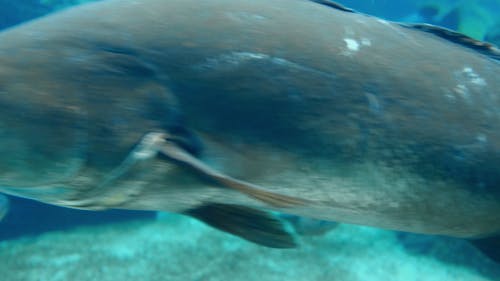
(368, 122)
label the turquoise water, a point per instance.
(178, 248)
(50, 243)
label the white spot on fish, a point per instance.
(450, 96)
(373, 103)
(473, 77)
(352, 45)
(233, 60)
(383, 22)
(246, 55)
(462, 91)
(469, 83)
(366, 42)
(481, 138)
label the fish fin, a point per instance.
(173, 151)
(485, 48)
(449, 20)
(335, 5)
(254, 225)
(489, 246)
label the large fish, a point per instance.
(225, 109)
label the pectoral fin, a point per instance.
(175, 152)
(248, 223)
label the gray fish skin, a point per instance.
(4, 206)
(368, 122)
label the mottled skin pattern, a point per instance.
(370, 122)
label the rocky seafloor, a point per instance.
(179, 248)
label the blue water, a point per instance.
(28, 218)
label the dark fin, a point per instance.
(450, 19)
(335, 5)
(490, 246)
(485, 48)
(251, 224)
(171, 150)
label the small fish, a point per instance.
(292, 106)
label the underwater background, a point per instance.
(42, 242)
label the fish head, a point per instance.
(42, 135)
(71, 103)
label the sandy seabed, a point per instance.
(178, 248)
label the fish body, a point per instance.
(286, 105)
